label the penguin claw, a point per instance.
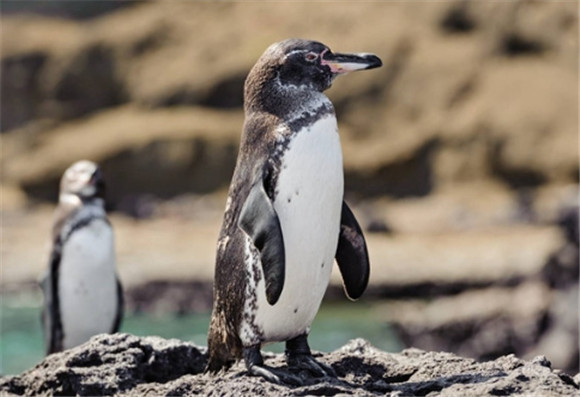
(307, 362)
(255, 366)
(274, 376)
(262, 372)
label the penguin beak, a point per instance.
(98, 182)
(344, 63)
(97, 177)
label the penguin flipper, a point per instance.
(120, 308)
(260, 221)
(352, 255)
(53, 333)
(47, 314)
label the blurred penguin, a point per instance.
(82, 293)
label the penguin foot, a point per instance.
(274, 376)
(308, 363)
(298, 355)
(255, 366)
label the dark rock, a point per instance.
(83, 82)
(170, 296)
(559, 339)
(527, 320)
(20, 88)
(127, 365)
(410, 177)
(543, 361)
(63, 9)
(224, 94)
(516, 45)
(111, 364)
(516, 177)
(108, 364)
(568, 220)
(378, 226)
(458, 19)
(198, 156)
(562, 271)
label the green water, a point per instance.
(22, 343)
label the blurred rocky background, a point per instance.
(460, 154)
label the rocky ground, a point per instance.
(460, 153)
(127, 365)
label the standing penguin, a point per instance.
(285, 220)
(82, 293)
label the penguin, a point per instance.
(285, 220)
(83, 296)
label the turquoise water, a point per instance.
(22, 343)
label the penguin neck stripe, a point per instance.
(307, 117)
(82, 218)
(69, 198)
(285, 133)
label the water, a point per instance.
(22, 342)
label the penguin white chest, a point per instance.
(308, 202)
(87, 283)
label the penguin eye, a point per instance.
(311, 56)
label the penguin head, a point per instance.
(297, 65)
(84, 180)
(312, 65)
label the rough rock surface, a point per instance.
(127, 365)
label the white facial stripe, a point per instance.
(294, 52)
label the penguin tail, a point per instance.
(217, 364)
(220, 357)
(221, 346)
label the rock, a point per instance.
(62, 9)
(468, 92)
(182, 149)
(559, 339)
(83, 81)
(457, 208)
(109, 364)
(535, 312)
(480, 323)
(415, 263)
(127, 365)
(162, 296)
(21, 82)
